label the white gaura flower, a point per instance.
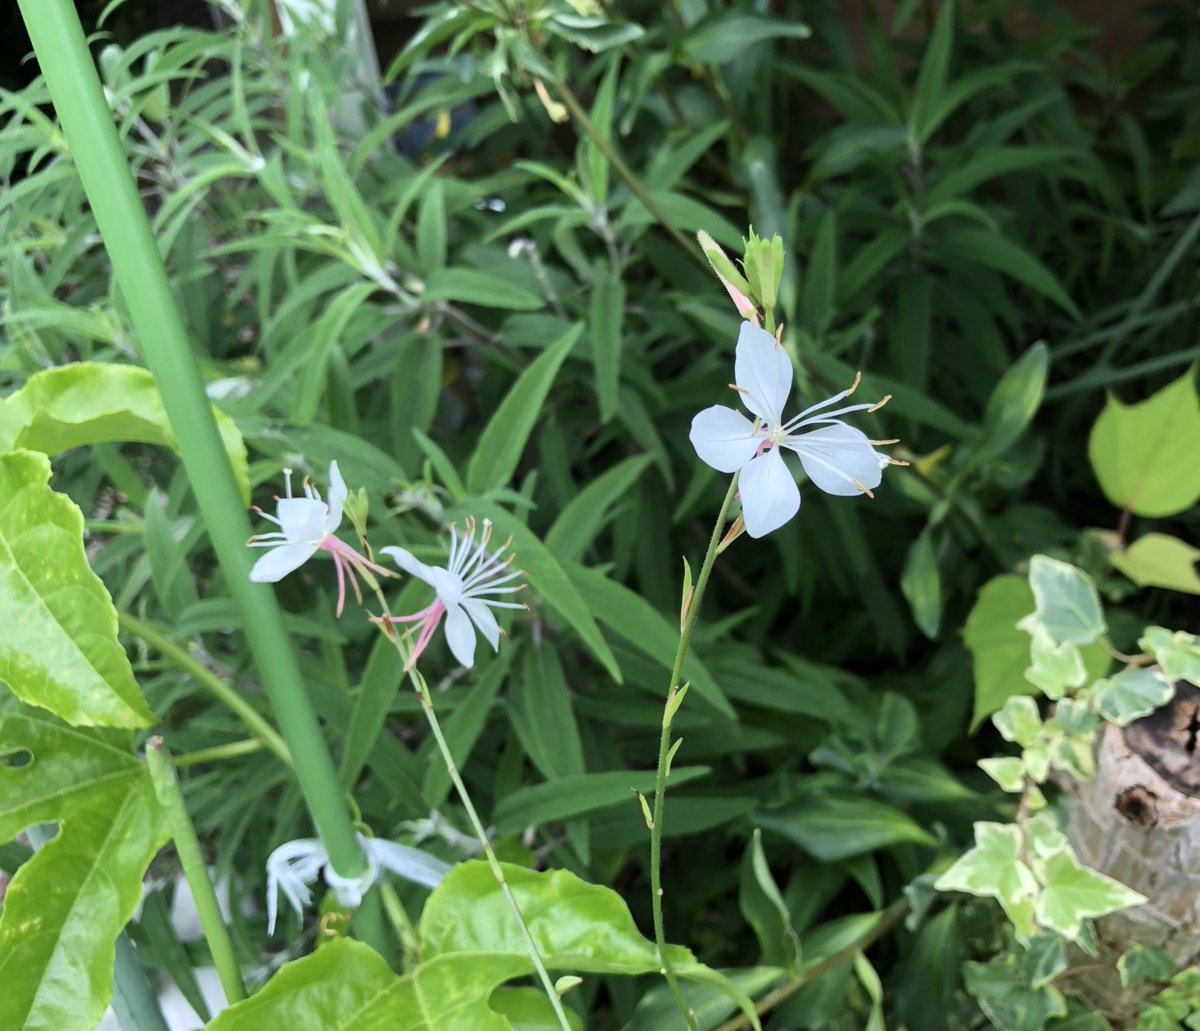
(307, 525)
(466, 593)
(837, 458)
(294, 865)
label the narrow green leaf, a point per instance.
(1144, 454)
(607, 316)
(539, 706)
(431, 228)
(95, 403)
(921, 584)
(583, 517)
(728, 35)
(577, 794)
(380, 683)
(820, 282)
(835, 827)
(504, 437)
(473, 287)
(1014, 401)
(60, 650)
(931, 79)
(81, 888)
(326, 336)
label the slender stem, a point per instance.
(571, 102)
(91, 135)
(166, 787)
(218, 753)
(410, 940)
(225, 694)
(664, 750)
(422, 692)
(887, 920)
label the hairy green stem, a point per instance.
(435, 726)
(90, 132)
(187, 845)
(168, 649)
(664, 752)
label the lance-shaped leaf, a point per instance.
(99, 403)
(470, 945)
(59, 648)
(66, 905)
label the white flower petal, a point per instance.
(410, 863)
(412, 566)
(482, 617)
(460, 635)
(770, 496)
(301, 519)
(281, 560)
(723, 438)
(835, 456)
(764, 372)
(291, 868)
(337, 495)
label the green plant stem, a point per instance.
(887, 920)
(571, 103)
(225, 694)
(218, 753)
(664, 751)
(91, 135)
(166, 788)
(435, 726)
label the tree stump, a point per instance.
(1138, 821)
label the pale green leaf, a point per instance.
(1160, 560)
(65, 906)
(1066, 599)
(1178, 653)
(1144, 454)
(1019, 721)
(1008, 771)
(1056, 668)
(99, 403)
(504, 437)
(1131, 694)
(60, 648)
(994, 868)
(1072, 893)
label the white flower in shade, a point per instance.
(837, 458)
(307, 525)
(294, 865)
(466, 589)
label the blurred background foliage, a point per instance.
(987, 208)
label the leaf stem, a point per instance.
(664, 751)
(435, 726)
(168, 649)
(187, 845)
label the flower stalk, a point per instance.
(664, 754)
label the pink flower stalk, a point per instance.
(307, 525)
(466, 591)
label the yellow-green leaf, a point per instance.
(1160, 560)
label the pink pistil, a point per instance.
(345, 558)
(428, 618)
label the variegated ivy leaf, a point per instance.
(1177, 654)
(994, 868)
(1019, 721)
(1056, 668)
(1131, 694)
(1068, 606)
(1008, 771)
(1072, 893)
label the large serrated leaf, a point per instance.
(66, 905)
(60, 648)
(94, 403)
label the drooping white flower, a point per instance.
(838, 458)
(466, 592)
(294, 865)
(307, 525)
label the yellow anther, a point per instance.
(880, 443)
(865, 490)
(740, 390)
(879, 404)
(778, 336)
(854, 385)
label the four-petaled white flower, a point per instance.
(294, 865)
(465, 589)
(307, 525)
(837, 458)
